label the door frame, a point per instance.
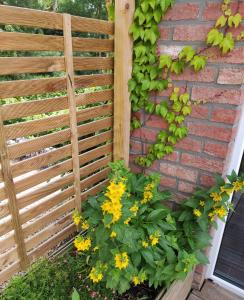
(235, 162)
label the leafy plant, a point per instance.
(134, 237)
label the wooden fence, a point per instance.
(50, 163)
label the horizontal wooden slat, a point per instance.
(92, 45)
(52, 242)
(94, 190)
(36, 126)
(15, 41)
(49, 140)
(95, 153)
(21, 16)
(8, 258)
(6, 226)
(90, 98)
(16, 88)
(52, 139)
(7, 242)
(93, 80)
(42, 207)
(40, 160)
(95, 178)
(4, 211)
(91, 25)
(95, 140)
(92, 63)
(29, 108)
(21, 65)
(8, 272)
(49, 217)
(94, 112)
(48, 232)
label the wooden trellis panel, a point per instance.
(50, 163)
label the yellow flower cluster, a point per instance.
(139, 279)
(145, 244)
(121, 260)
(113, 205)
(95, 275)
(76, 218)
(85, 225)
(216, 197)
(134, 209)
(237, 185)
(147, 195)
(197, 212)
(220, 212)
(113, 234)
(154, 238)
(127, 221)
(82, 244)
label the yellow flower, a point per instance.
(185, 270)
(211, 216)
(145, 244)
(113, 234)
(82, 244)
(136, 280)
(147, 195)
(95, 249)
(121, 260)
(237, 185)
(202, 203)
(76, 218)
(154, 238)
(221, 212)
(216, 197)
(126, 222)
(134, 209)
(95, 275)
(197, 212)
(229, 191)
(85, 225)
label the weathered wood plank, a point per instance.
(8, 272)
(91, 98)
(7, 242)
(8, 258)
(92, 25)
(93, 80)
(92, 45)
(21, 16)
(92, 63)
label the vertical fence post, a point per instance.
(69, 67)
(12, 199)
(124, 11)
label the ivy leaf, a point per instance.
(221, 21)
(168, 149)
(152, 3)
(186, 110)
(177, 106)
(184, 98)
(172, 139)
(177, 67)
(198, 62)
(140, 15)
(234, 20)
(174, 97)
(179, 119)
(165, 60)
(153, 73)
(150, 107)
(215, 37)
(170, 117)
(162, 136)
(144, 6)
(187, 53)
(181, 132)
(157, 15)
(151, 36)
(227, 43)
(75, 295)
(163, 111)
(172, 127)
(140, 50)
(145, 85)
(131, 84)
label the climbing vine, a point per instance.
(152, 72)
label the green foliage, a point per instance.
(151, 72)
(137, 238)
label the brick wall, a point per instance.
(212, 126)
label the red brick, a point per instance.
(213, 10)
(178, 171)
(135, 146)
(189, 144)
(207, 180)
(199, 112)
(210, 131)
(165, 33)
(156, 122)
(168, 92)
(223, 115)
(196, 161)
(217, 95)
(135, 169)
(172, 50)
(186, 187)
(231, 76)
(175, 156)
(191, 32)
(206, 75)
(236, 31)
(215, 149)
(236, 56)
(145, 134)
(182, 11)
(168, 182)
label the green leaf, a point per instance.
(177, 106)
(144, 6)
(227, 44)
(136, 258)
(215, 37)
(172, 127)
(187, 53)
(177, 67)
(184, 98)
(236, 20)
(170, 117)
(179, 119)
(131, 84)
(75, 295)
(148, 256)
(168, 149)
(145, 85)
(198, 62)
(186, 110)
(165, 61)
(221, 21)
(157, 214)
(157, 15)
(202, 258)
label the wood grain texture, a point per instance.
(90, 98)
(95, 126)
(92, 63)
(69, 67)
(7, 242)
(8, 257)
(9, 188)
(92, 45)
(21, 16)
(16, 88)
(92, 25)
(8, 272)
(93, 80)
(15, 41)
(122, 73)
(20, 65)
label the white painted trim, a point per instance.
(236, 157)
(228, 286)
